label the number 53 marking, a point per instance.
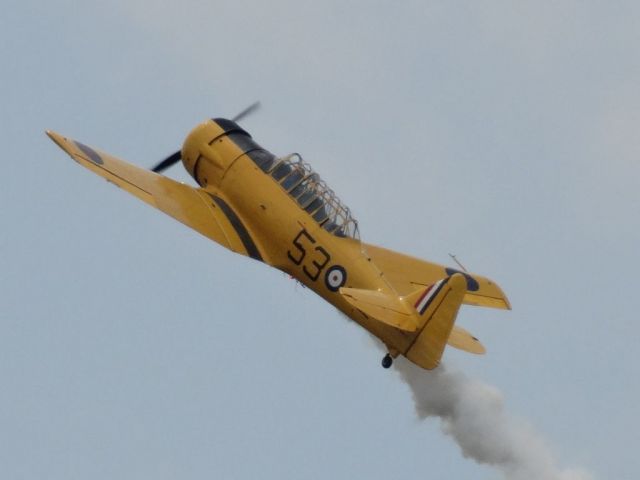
(318, 256)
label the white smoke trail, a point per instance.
(473, 414)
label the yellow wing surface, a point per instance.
(463, 340)
(406, 273)
(206, 211)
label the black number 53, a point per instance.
(318, 257)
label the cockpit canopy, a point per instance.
(305, 186)
(312, 194)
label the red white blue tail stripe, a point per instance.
(429, 294)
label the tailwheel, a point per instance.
(387, 361)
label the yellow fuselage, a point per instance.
(284, 234)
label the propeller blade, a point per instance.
(250, 109)
(167, 162)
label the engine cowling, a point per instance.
(208, 151)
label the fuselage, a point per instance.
(281, 226)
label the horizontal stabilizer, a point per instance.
(380, 306)
(407, 273)
(463, 340)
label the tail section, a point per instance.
(463, 340)
(405, 272)
(421, 299)
(438, 308)
(427, 315)
(384, 308)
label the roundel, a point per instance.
(335, 278)
(91, 153)
(472, 283)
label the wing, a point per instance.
(405, 273)
(206, 211)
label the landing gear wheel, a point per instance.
(387, 361)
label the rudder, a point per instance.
(438, 306)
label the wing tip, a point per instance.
(56, 137)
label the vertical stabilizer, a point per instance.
(438, 307)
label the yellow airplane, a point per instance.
(278, 210)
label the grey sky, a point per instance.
(504, 132)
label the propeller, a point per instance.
(176, 156)
(167, 162)
(247, 111)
